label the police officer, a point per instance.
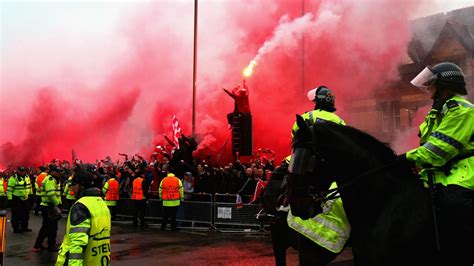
(69, 195)
(18, 190)
(171, 193)
(38, 184)
(330, 229)
(445, 157)
(111, 194)
(3, 191)
(87, 238)
(51, 199)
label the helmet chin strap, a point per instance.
(440, 97)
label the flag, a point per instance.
(177, 131)
(238, 202)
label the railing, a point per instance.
(217, 212)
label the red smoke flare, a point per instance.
(353, 47)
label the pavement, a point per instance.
(151, 246)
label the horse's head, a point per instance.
(309, 173)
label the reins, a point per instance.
(330, 194)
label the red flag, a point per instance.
(177, 131)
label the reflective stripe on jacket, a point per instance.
(318, 116)
(329, 229)
(3, 187)
(447, 144)
(87, 243)
(171, 191)
(137, 189)
(111, 191)
(19, 186)
(68, 191)
(51, 192)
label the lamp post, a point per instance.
(195, 66)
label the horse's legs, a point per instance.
(280, 242)
(310, 253)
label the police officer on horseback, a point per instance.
(325, 234)
(445, 157)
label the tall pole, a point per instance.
(195, 65)
(302, 51)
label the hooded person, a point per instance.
(87, 237)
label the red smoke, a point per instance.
(353, 47)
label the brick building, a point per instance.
(437, 38)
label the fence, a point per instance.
(217, 212)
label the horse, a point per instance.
(283, 237)
(387, 206)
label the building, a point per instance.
(437, 38)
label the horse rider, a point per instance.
(445, 157)
(329, 229)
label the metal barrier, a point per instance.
(214, 212)
(234, 215)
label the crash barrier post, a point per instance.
(232, 217)
(3, 223)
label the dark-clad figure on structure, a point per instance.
(241, 121)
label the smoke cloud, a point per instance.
(353, 47)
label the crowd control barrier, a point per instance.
(229, 214)
(204, 210)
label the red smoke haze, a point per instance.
(351, 46)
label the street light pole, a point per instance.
(195, 66)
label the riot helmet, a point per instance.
(444, 75)
(323, 97)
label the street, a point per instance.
(151, 246)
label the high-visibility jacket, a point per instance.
(3, 187)
(171, 191)
(68, 191)
(87, 243)
(111, 192)
(447, 144)
(19, 186)
(51, 192)
(317, 116)
(39, 181)
(329, 229)
(137, 189)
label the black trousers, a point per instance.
(49, 229)
(169, 213)
(113, 211)
(3, 202)
(280, 241)
(37, 204)
(20, 214)
(455, 224)
(139, 207)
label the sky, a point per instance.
(103, 77)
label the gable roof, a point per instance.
(426, 32)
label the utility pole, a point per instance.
(302, 51)
(195, 66)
